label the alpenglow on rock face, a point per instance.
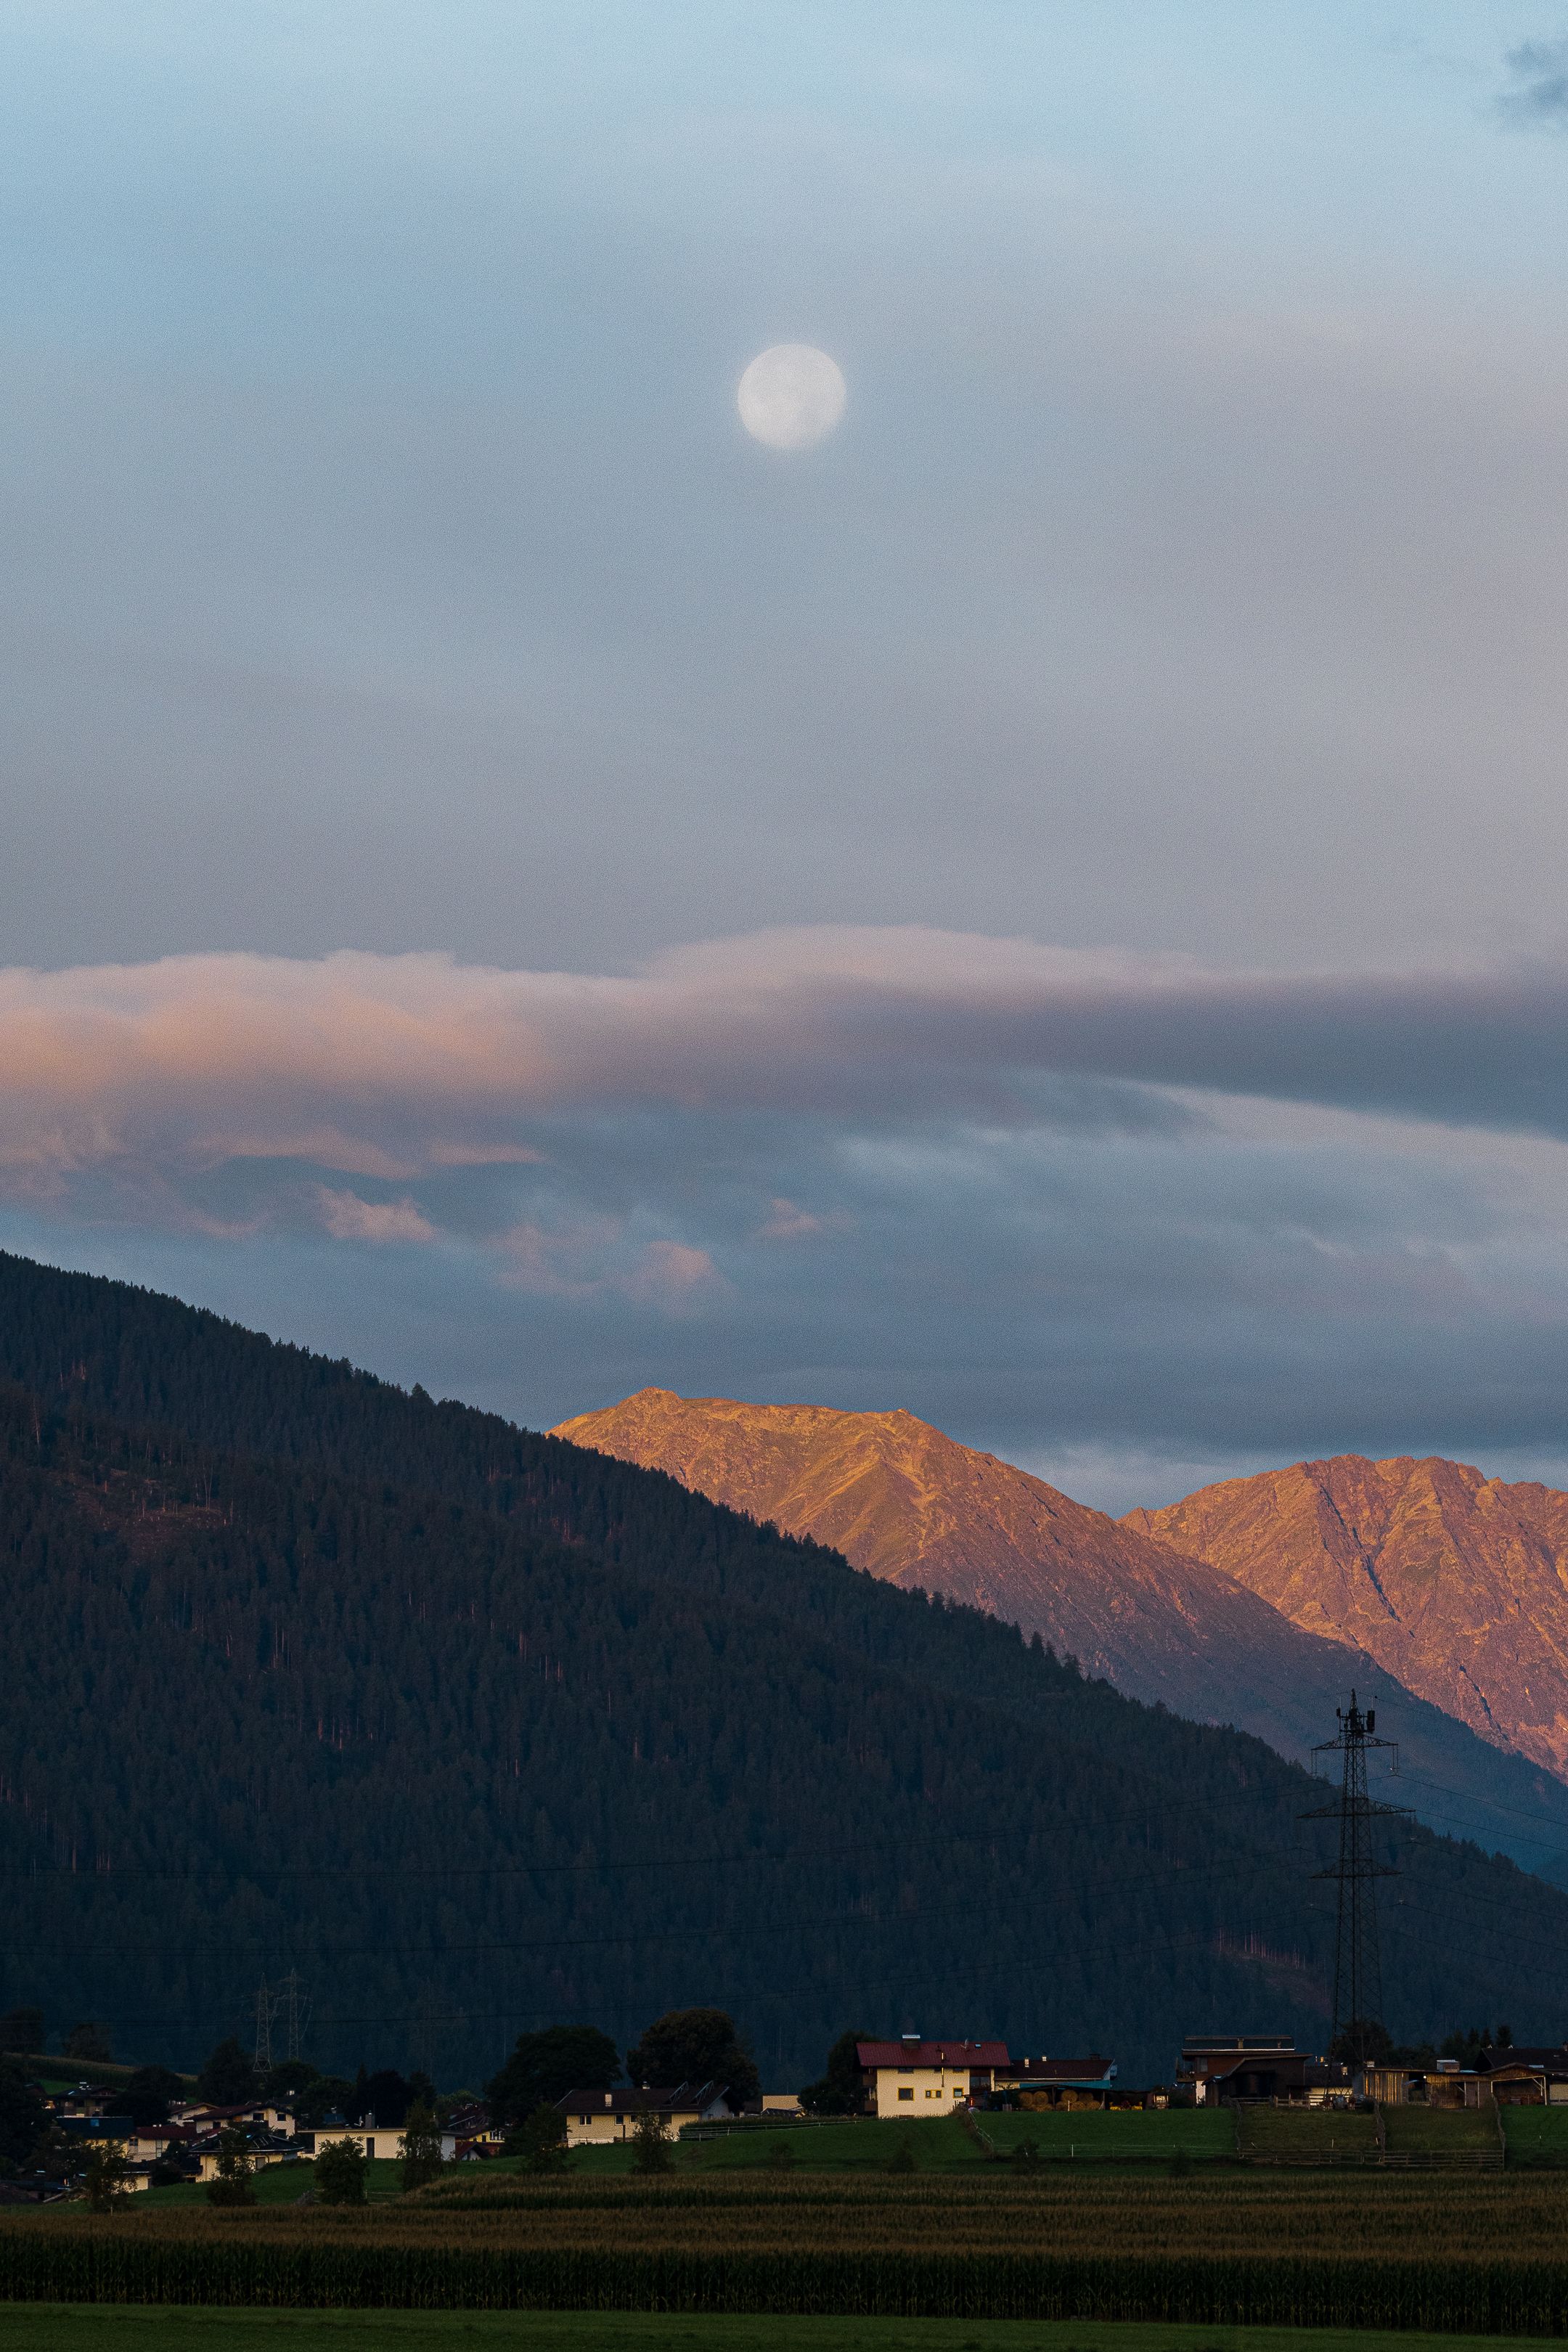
(914, 1507)
(1455, 1582)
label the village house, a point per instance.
(261, 2154)
(251, 2115)
(1220, 2067)
(376, 2141)
(601, 2119)
(916, 2077)
(474, 2133)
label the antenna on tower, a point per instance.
(1357, 1963)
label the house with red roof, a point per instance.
(916, 2077)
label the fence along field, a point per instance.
(1478, 2255)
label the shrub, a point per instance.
(651, 2142)
(104, 2175)
(421, 2158)
(235, 2183)
(340, 2172)
(540, 2142)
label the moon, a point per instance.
(791, 396)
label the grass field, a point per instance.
(1307, 2135)
(1441, 2131)
(1536, 2133)
(1158, 2134)
(98, 2327)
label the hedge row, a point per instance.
(1514, 2298)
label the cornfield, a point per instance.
(1480, 2256)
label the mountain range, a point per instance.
(1217, 1608)
(476, 1729)
(1456, 1583)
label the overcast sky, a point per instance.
(1046, 909)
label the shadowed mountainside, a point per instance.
(916, 1508)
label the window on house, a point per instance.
(906, 2094)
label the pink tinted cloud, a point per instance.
(385, 1064)
(593, 1257)
(787, 1223)
(349, 1219)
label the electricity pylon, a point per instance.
(265, 2011)
(1358, 1964)
(296, 2010)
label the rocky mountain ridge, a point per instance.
(1455, 1582)
(914, 1507)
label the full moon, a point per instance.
(791, 396)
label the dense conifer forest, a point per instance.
(479, 1731)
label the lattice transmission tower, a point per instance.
(1357, 1962)
(265, 2011)
(296, 2008)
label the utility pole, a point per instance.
(1358, 1964)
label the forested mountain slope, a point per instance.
(914, 1507)
(473, 1727)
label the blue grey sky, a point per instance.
(385, 569)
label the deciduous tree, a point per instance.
(340, 2172)
(541, 2140)
(228, 2078)
(422, 2157)
(544, 2066)
(842, 2090)
(235, 2183)
(694, 2045)
(651, 2136)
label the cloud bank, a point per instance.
(1098, 1211)
(384, 1064)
